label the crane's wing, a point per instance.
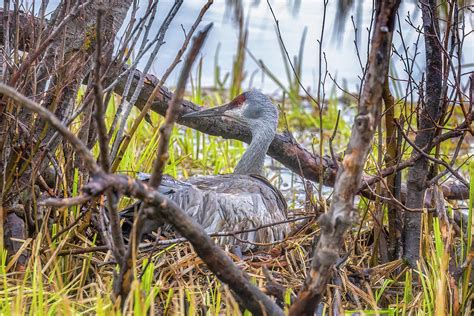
(168, 186)
(234, 203)
(230, 203)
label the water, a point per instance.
(293, 16)
(342, 60)
(263, 41)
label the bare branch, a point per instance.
(99, 98)
(148, 100)
(341, 213)
(116, 231)
(427, 156)
(161, 208)
(123, 283)
(430, 114)
(78, 145)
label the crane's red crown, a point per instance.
(239, 100)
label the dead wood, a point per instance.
(342, 213)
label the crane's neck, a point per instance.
(253, 159)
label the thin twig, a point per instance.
(453, 160)
(151, 98)
(427, 156)
(80, 148)
(69, 227)
(66, 202)
(80, 251)
(116, 231)
(331, 139)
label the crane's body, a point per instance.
(244, 200)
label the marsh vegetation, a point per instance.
(376, 169)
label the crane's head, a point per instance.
(252, 108)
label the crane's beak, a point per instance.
(228, 110)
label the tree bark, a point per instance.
(80, 43)
(427, 119)
(393, 181)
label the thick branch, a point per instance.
(394, 180)
(341, 213)
(283, 148)
(214, 257)
(117, 238)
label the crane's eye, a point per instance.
(253, 112)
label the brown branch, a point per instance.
(213, 256)
(80, 251)
(70, 226)
(341, 213)
(331, 139)
(454, 157)
(283, 148)
(431, 112)
(393, 181)
(453, 191)
(80, 148)
(115, 229)
(66, 202)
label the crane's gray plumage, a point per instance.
(243, 200)
(261, 116)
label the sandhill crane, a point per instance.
(243, 200)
